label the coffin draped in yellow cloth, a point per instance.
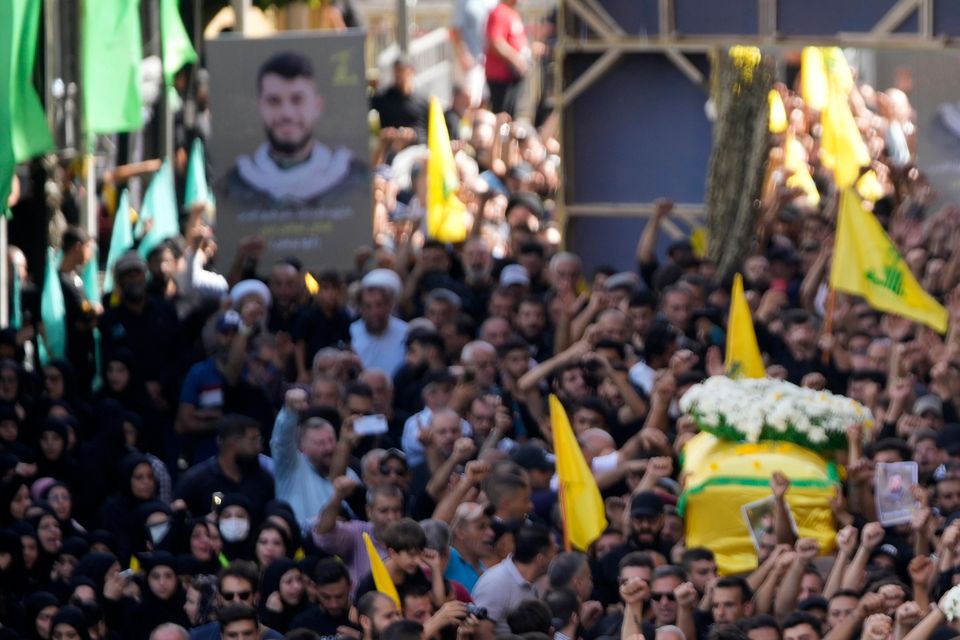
(720, 476)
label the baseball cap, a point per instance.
(623, 280)
(646, 504)
(130, 261)
(514, 274)
(394, 454)
(927, 403)
(530, 456)
(468, 511)
(228, 321)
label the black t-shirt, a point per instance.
(318, 330)
(320, 622)
(398, 110)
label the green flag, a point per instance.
(196, 187)
(177, 47)
(31, 137)
(16, 302)
(111, 55)
(121, 239)
(53, 310)
(91, 289)
(7, 59)
(160, 207)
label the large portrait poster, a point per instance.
(289, 146)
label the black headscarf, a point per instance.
(119, 513)
(32, 606)
(13, 579)
(72, 616)
(8, 491)
(270, 583)
(95, 566)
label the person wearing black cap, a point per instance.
(646, 521)
(540, 468)
(145, 326)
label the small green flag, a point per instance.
(53, 310)
(16, 303)
(196, 187)
(8, 160)
(31, 137)
(160, 207)
(121, 239)
(91, 289)
(177, 47)
(111, 56)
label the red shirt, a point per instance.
(504, 22)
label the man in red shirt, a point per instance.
(508, 56)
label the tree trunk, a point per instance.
(740, 84)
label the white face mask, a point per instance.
(159, 531)
(234, 529)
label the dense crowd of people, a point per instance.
(210, 454)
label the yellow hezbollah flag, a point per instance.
(778, 113)
(813, 79)
(866, 263)
(795, 161)
(584, 517)
(743, 355)
(446, 215)
(842, 148)
(381, 577)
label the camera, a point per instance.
(480, 613)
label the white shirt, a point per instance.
(410, 440)
(385, 351)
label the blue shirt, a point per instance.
(462, 571)
(298, 481)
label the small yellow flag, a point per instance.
(813, 78)
(582, 506)
(381, 577)
(795, 161)
(743, 354)
(446, 215)
(700, 241)
(313, 287)
(134, 563)
(778, 113)
(866, 263)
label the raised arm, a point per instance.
(343, 486)
(647, 245)
(846, 547)
(283, 442)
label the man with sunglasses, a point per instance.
(236, 584)
(662, 600)
(394, 470)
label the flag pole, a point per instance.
(828, 324)
(563, 516)
(4, 273)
